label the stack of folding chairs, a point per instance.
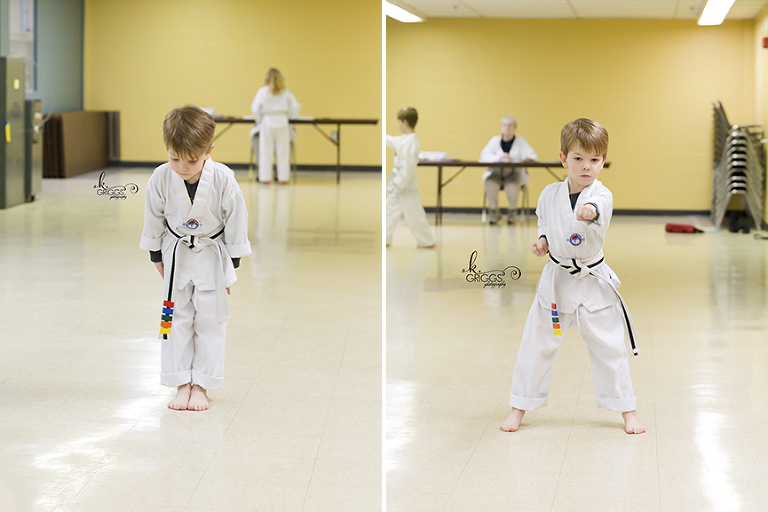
(739, 168)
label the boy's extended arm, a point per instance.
(602, 203)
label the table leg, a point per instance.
(439, 203)
(338, 153)
(222, 132)
(558, 178)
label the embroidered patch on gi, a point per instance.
(576, 239)
(192, 224)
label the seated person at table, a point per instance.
(506, 147)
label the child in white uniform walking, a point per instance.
(196, 229)
(576, 286)
(403, 186)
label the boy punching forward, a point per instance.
(576, 286)
(196, 230)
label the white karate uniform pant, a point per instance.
(603, 332)
(407, 204)
(274, 141)
(194, 351)
(513, 180)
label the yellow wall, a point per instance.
(144, 57)
(650, 83)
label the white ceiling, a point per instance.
(646, 9)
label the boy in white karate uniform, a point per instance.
(403, 185)
(196, 229)
(576, 286)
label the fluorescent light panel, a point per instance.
(400, 14)
(715, 12)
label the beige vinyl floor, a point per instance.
(83, 419)
(699, 304)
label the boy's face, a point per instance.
(403, 125)
(189, 168)
(583, 168)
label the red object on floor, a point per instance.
(681, 228)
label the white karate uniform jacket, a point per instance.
(403, 191)
(569, 238)
(218, 203)
(274, 110)
(403, 177)
(519, 151)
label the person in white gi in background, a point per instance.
(196, 229)
(403, 185)
(272, 107)
(506, 147)
(573, 220)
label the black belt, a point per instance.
(573, 268)
(166, 318)
(192, 237)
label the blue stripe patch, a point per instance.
(168, 311)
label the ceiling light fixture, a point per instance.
(400, 14)
(715, 12)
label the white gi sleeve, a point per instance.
(236, 228)
(604, 201)
(541, 215)
(258, 104)
(294, 107)
(154, 216)
(526, 151)
(491, 152)
(399, 178)
(391, 141)
(408, 159)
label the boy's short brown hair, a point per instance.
(409, 115)
(188, 131)
(588, 134)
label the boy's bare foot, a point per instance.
(512, 423)
(179, 403)
(198, 399)
(632, 423)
